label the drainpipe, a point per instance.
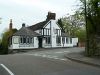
(51, 33)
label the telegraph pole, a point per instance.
(87, 31)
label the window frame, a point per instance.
(48, 40)
(63, 40)
(58, 39)
(15, 40)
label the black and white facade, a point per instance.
(46, 34)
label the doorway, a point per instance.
(40, 42)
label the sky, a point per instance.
(32, 11)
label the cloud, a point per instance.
(26, 2)
(39, 4)
(31, 11)
(57, 6)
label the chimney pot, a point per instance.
(10, 25)
(23, 25)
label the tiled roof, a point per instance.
(38, 25)
(24, 31)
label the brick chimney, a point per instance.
(51, 16)
(10, 24)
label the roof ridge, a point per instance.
(38, 25)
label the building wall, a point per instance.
(16, 44)
(45, 45)
(54, 26)
(75, 41)
(54, 44)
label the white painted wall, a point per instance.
(75, 41)
(15, 45)
(54, 26)
(23, 46)
(53, 44)
(47, 25)
(53, 36)
(68, 44)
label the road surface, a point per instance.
(46, 62)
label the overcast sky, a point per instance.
(32, 11)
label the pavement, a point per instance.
(81, 58)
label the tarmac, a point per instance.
(81, 58)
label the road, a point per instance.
(46, 62)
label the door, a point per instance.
(40, 42)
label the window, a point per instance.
(48, 31)
(63, 40)
(58, 40)
(70, 40)
(66, 40)
(58, 32)
(44, 31)
(31, 40)
(24, 40)
(21, 40)
(48, 40)
(15, 40)
(28, 40)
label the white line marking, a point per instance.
(7, 69)
(63, 59)
(36, 54)
(55, 58)
(43, 55)
(59, 52)
(67, 51)
(49, 56)
(62, 52)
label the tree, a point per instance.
(92, 14)
(61, 24)
(5, 40)
(72, 23)
(81, 34)
(74, 26)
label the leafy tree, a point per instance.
(61, 24)
(5, 41)
(92, 14)
(74, 25)
(81, 34)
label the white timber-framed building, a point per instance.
(45, 34)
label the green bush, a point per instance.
(5, 41)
